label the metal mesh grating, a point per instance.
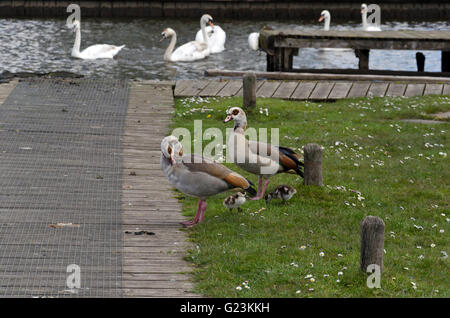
(60, 162)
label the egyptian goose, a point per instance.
(258, 158)
(235, 201)
(283, 192)
(198, 176)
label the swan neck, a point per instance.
(76, 45)
(327, 23)
(170, 48)
(203, 28)
(364, 19)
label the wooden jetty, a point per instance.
(140, 252)
(310, 89)
(153, 265)
(282, 45)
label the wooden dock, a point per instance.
(310, 89)
(137, 254)
(281, 45)
(153, 265)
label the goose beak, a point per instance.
(362, 11)
(321, 18)
(172, 161)
(211, 23)
(227, 119)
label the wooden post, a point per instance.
(288, 57)
(363, 56)
(445, 61)
(372, 242)
(249, 90)
(270, 62)
(420, 59)
(313, 164)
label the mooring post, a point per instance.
(445, 61)
(372, 242)
(363, 55)
(249, 90)
(420, 59)
(313, 164)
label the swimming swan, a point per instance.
(367, 26)
(97, 51)
(216, 37)
(191, 51)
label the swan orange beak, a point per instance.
(211, 24)
(321, 18)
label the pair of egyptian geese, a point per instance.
(201, 177)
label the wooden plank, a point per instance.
(148, 292)
(433, 89)
(340, 90)
(359, 39)
(267, 89)
(180, 86)
(285, 89)
(258, 85)
(359, 89)
(303, 90)
(6, 89)
(194, 88)
(395, 90)
(230, 89)
(446, 90)
(212, 88)
(322, 90)
(292, 76)
(414, 90)
(377, 89)
(152, 263)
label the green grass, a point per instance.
(401, 171)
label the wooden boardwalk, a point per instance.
(6, 89)
(153, 265)
(153, 244)
(309, 90)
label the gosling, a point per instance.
(283, 192)
(235, 201)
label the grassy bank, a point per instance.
(374, 164)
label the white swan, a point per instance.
(97, 51)
(253, 41)
(325, 15)
(216, 37)
(188, 52)
(191, 51)
(367, 26)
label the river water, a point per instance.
(44, 45)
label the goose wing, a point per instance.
(195, 163)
